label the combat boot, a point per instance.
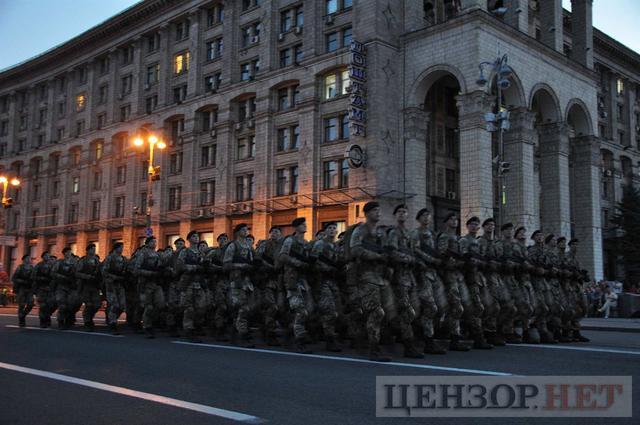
(376, 355)
(480, 343)
(513, 338)
(579, 337)
(332, 345)
(457, 344)
(22, 322)
(221, 336)
(191, 336)
(432, 347)
(301, 347)
(496, 339)
(43, 323)
(245, 341)
(410, 350)
(546, 337)
(150, 334)
(532, 336)
(113, 328)
(561, 336)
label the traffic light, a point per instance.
(503, 168)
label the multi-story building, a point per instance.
(284, 108)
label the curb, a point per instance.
(610, 329)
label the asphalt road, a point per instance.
(55, 377)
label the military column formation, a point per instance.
(368, 287)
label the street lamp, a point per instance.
(7, 202)
(153, 172)
(498, 121)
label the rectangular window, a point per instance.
(181, 63)
(286, 20)
(182, 30)
(103, 94)
(330, 129)
(153, 42)
(97, 180)
(215, 15)
(207, 193)
(281, 182)
(283, 99)
(245, 71)
(125, 113)
(126, 83)
(95, 209)
(250, 187)
(73, 213)
(283, 139)
(214, 49)
(346, 37)
(36, 192)
(175, 198)
(331, 6)
(121, 174)
(81, 102)
(330, 175)
(153, 74)
(179, 93)
(295, 138)
(55, 189)
(344, 173)
(102, 120)
(208, 155)
(331, 42)
(299, 16)
(212, 82)
(151, 103)
(53, 217)
(119, 207)
(127, 55)
(297, 53)
(240, 188)
(620, 86)
(344, 132)
(285, 58)
(175, 163)
(293, 179)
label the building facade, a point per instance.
(277, 109)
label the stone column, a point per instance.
(166, 70)
(517, 14)
(586, 202)
(415, 139)
(195, 66)
(582, 28)
(518, 151)
(551, 23)
(554, 175)
(476, 176)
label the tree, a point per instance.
(627, 220)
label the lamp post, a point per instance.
(5, 181)
(153, 172)
(498, 121)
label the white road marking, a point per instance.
(33, 328)
(564, 347)
(350, 359)
(214, 411)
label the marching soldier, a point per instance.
(221, 295)
(293, 256)
(578, 276)
(365, 251)
(173, 292)
(403, 282)
(88, 280)
(63, 274)
(431, 292)
(555, 297)
(193, 299)
(114, 273)
(537, 255)
(328, 294)
(23, 288)
(267, 252)
(526, 269)
(43, 290)
(238, 261)
(147, 270)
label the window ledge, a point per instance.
(334, 98)
(288, 151)
(240, 161)
(334, 142)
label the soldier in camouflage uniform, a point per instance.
(328, 294)
(238, 261)
(173, 293)
(293, 256)
(403, 281)
(193, 298)
(23, 288)
(267, 252)
(457, 293)
(88, 280)
(366, 253)
(133, 307)
(556, 299)
(524, 272)
(43, 290)
(575, 285)
(221, 296)
(537, 255)
(568, 295)
(479, 306)
(63, 275)
(113, 271)
(506, 308)
(431, 291)
(147, 269)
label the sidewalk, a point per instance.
(611, 324)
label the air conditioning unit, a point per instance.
(251, 124)
(329, 20)
(451, 195)
(255, 39)
(281, 36)
(213, 133)
(238, 126)
(298, 30)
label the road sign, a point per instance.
(148, 232)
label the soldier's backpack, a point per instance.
(347, 241)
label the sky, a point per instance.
(30, 27)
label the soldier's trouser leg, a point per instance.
(508, 309)
(553, 297)
(221, 301)
(453, 285)
(298, 308)
(173, 305)
(372, 310)
(542, 310)
(117, 302)
(473, 308)
(270, 307)
(63, 304)
(442, 305)
(25, 302)
(524, 299)
(75, 302)
(240, 306)
(45, 304)
(406, 313)
(488, 295)
(91, 297)
(152, 300)
(193, 302)
(327, 308)
(428, 307)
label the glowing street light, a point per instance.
(5, 181)
(153, 171)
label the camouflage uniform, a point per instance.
(173, 294)
(530, 301)
(555, 296)
(501, 321)
(293, 256)
(113, 270)
(63, 274)
(221, 296)
(238, 260)
(574, 286)
(268, 251)
(23, 288)
(132, 294)
(328, 294)
(147, 270)
(538, 257)
(88, 280)
(44, 292)
(193, 298)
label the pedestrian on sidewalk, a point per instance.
(610, 298)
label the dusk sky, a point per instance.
(30, 27)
